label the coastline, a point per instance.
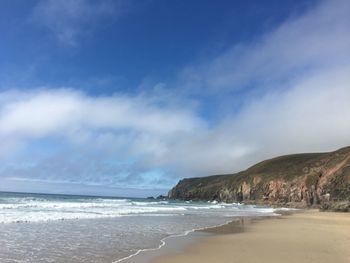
(178, 243)
(309, 236)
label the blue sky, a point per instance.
(127, 97)
(127, 42)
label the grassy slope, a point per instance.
(323, 171)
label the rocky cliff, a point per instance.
(299, 180)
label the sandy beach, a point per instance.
(306, 237)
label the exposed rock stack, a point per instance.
(299, 180)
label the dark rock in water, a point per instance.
(162, 197)
(150, 198)
(298, 180)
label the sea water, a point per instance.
(63, 228)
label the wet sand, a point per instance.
(306, 237)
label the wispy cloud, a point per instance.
(69, 20)
(304, 43)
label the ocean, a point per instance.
(64, 228)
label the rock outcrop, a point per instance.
(299, 180)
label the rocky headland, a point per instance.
(299, 180)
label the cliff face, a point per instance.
(297, 180)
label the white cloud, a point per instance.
(69, 20)
(42, 113)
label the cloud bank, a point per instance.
(298, 78)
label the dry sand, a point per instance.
(306, 237)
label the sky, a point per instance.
(125, 98)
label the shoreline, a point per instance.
(306, 236)
(179, 242)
